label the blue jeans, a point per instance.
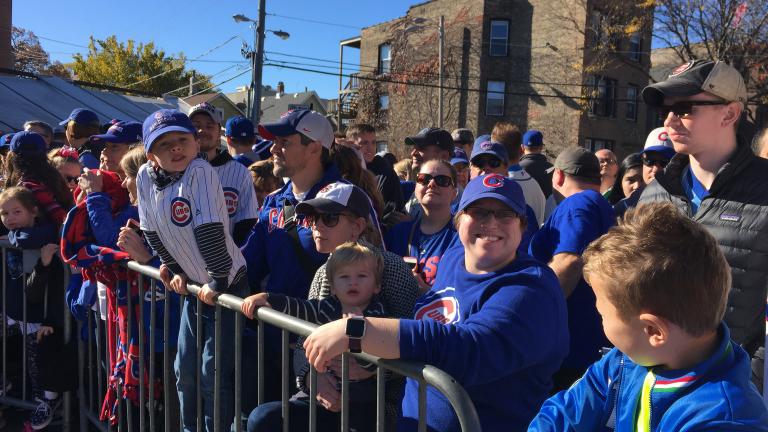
(186, 364)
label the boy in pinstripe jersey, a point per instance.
(184, 217)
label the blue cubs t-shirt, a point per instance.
(407, 240)
(576, 222)
(694, 190)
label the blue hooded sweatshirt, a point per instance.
(501, 335)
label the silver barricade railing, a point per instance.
(26, 400)
(425, 374)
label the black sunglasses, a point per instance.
(685, 108)
(440, 179)
(328, 219)
(490, 161)
(661, 162)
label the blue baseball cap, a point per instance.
(311, 124)
(484, 145)
(459, 156)
(533, 138)
(164, 121)
(28, 143)
(123, 132)
(239, 127)
(5, 140)
(82, 116)
(262, 148)
(658, 141)
(494, 186)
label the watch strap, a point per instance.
(355, 345)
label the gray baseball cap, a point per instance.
(578, 162)
(714, 77)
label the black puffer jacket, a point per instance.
(736, 213)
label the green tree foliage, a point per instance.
(29, 55)
(136, 66)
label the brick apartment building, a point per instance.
(518, 61)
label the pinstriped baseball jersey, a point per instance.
(239, 194)
(176, 210)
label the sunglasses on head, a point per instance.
(685, 108)
(328, 219)
(649, 162)
(488, 161)
(440, 179)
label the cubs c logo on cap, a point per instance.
(231, 198)
(494, 180)
(486, 145)
(444, 310)
(663, 136)
(682, 68)
(327, 188)
(181, 212)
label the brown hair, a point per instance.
(659, 261)
(403, 169)
(509, 135)
(263, 179)
(132, 161)
(20, 194)
(359, 128)
(353, 252)
(83, 130)
(38, 168)
(351, 168)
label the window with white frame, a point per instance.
(494, 99)
(499, 38)
(385, 58)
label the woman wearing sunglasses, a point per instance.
(494, 319)
(426, 238)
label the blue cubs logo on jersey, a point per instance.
(494, 180)
(440, 306)
(231, 198)
(181, 212)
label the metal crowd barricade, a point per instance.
(25, 401)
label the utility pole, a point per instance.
(258, 63)
(441, 33)
(192, 83)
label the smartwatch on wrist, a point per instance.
(355, 332)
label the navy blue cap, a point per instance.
(311, 124)
(239, 127)
(484, 145)
(262, 148)
(533, 138)
(164, 121)
(82, 116)
(459, 156)
(28, 143)
(5, 140)
(495, 186)
(431, 136)
(123, 132)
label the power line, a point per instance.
(61, 42)
(223, 82)
(313, 21)
(199, 81)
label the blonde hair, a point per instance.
(657, 260)
(58, 161)
(132, 161)
(354, 252)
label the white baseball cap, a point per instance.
(658, 141)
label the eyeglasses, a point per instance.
(684, 109)
(328, 219)
(484, 215)
(660, 162)
(607, 161)
(440, 179)
(489, 161)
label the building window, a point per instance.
(631, 112)
(595, 144)
(385, 58)
(384, 102)
(603, 96)
(635, 46)
(499, 38)
(494, 99)
(381, 146)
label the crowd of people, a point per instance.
(582, 294)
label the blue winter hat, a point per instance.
(533, 138)
(82, 116)
(239, 127)
(484, 145)
(459, 156)
(28, 143)
(164, 121)
(123, 132)
(494, 186)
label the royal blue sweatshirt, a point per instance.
(501, 335)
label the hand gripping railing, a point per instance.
(423, 373)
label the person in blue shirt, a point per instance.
(427, 237)
(583, 216)
(494, 319)
(241, 135)
(662, 287)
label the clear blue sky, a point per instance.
(195, 26)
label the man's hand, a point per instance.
(251, 303)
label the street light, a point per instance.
(417, 26)
(257, 55)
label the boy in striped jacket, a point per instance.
(661, 284)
